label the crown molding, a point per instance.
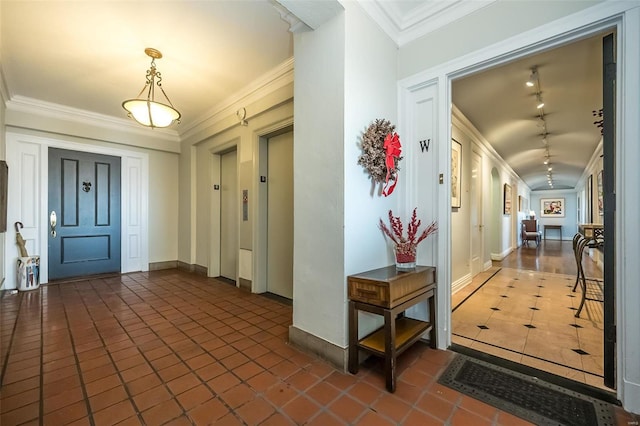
(61, 112)
(295, 24)
(403, 28)
(311, 13)
(277, 78)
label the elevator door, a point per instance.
(229, 215)
(280, 216)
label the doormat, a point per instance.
(525, 396)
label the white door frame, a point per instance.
(134, 200)
(625, 18)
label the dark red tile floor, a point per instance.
(175, 348)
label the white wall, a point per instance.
(461, 217)
(164, 199)
(345, 78)
(568, 222)
(318, 175)
(498, 227)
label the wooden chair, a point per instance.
(530, 232)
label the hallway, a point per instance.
(170, 347)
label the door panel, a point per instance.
(84, 191)
(229, 215)
(280, 216)
(608, 180)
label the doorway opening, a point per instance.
(521, 307)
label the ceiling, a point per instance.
(503, 109)
(89, 56)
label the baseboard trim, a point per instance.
(196, 269)
(308, 342)
(244, 284)
(501, 256)
(159, 266)
(461, 283)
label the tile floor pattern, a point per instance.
(171, 347)
(528, 317)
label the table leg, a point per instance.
(390, 350)
(432, 321)
(353, 338)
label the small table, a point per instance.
(389, 292)
(558, 227)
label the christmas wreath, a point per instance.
(381, 154)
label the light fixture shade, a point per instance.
(147, 111)
(150, 113)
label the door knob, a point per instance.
(53, 220)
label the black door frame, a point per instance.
(609, 199)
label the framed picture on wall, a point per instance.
(520, 203)
(507, 199)
(600, 195)
(552, 207)
(456, 173)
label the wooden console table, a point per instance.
(558, 227)
(388, 292)
(594, 231)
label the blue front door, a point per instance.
(84, 214)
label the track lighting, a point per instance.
(533, 77)
(541, 122)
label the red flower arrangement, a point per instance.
(405, 248)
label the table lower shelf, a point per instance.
(408, 330)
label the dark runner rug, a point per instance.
(525, 396)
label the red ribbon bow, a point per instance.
(392, 147)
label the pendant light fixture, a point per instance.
(147, 111)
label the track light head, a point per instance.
(533, 77)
